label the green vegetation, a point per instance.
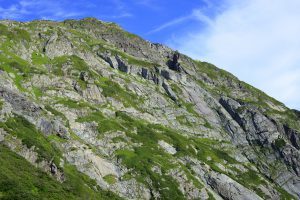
(142, 158)
(74, 63)
(37, 92)
(20, 180)
(1, 104)
(55, 112)
(184, 121)
(279, 143)
(103, 46)
(15, 34)
(73, 104)
(212, 71)
(39, 59)
(284, 194)
(4, 30)
(110, 179)
(24, 130)
(113, 89)
(19, 69)
(104, 124)
(130, 59)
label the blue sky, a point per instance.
(256, 40)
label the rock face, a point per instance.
(109, 115)
(167, 147)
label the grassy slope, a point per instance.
(20, 180)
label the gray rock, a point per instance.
(169, 91)
(228, 188)
(167, 147)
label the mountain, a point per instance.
(90, 111)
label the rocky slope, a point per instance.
(90, 111)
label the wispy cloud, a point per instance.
(170, 23)
(256, 40)
(195, 15)
(152, 4)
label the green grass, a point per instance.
(15, 34)
(3, 30)
(37, 92)
(39, 59)
(113, 89)
(284, 194)
(75, 62)
(55, 112)
(73, 104)
(110, 179)
(20, 68)
(211, 70)
(30, 136)
(20, 180)
(142, 158)
(104, 124)
(1, 104)
(131, 60)
(184, 121)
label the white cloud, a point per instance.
(257, 40)
(170, 23)
(195, 15)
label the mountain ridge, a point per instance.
(86, 98)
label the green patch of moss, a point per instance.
(110, 179)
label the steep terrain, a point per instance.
(90, 111)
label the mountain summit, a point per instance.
(90, 111)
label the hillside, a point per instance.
(90, 111)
